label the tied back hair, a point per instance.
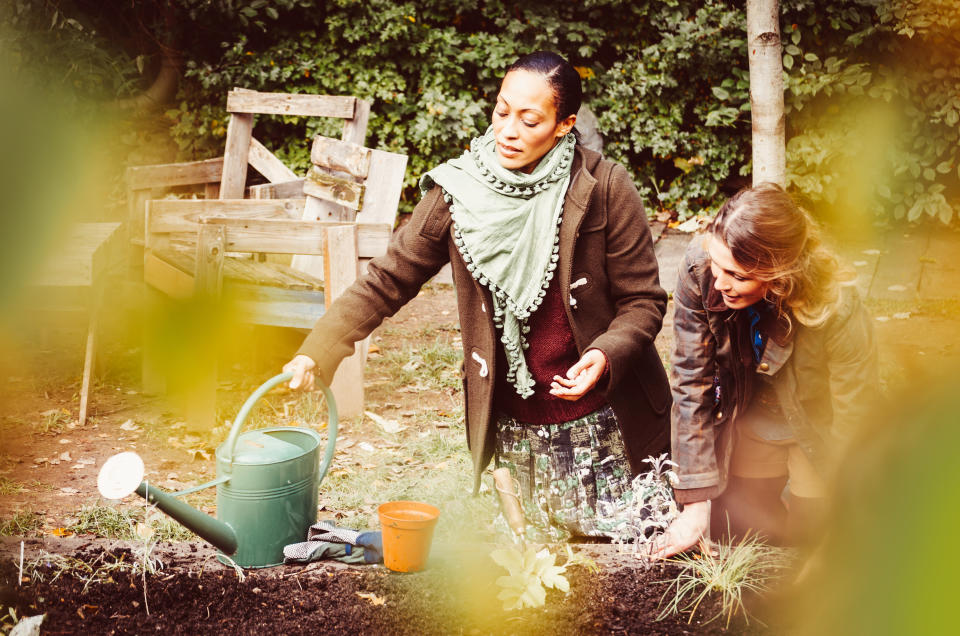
(562, 77)
(778, 242)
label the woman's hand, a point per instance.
(687, 530)
(581, 377)
(302, 369)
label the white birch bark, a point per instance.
(766, 91)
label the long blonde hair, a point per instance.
(778, 242)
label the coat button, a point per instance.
(764, 366)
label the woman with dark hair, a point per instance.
(773, 367)
(559, 302)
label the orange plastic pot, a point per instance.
(407, 529)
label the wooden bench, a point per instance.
(332, 221)
(73, 279)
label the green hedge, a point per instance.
(872, 88)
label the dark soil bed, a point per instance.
(456, 594)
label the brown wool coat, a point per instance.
(617, 305)
(825, 378)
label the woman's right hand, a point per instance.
(302, 369)
(691, 527)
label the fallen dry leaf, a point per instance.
(129, 425)
(373, 598)
(388, 425)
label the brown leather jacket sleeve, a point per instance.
(414, 256)
(633, 273)
(693, 431)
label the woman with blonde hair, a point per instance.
(773, 365)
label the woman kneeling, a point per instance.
(774, 364)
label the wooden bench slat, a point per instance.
(280, 190)
(303, 105)
(267, 163)
(159, 263)
(174, 174)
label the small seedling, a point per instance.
(530, 573)
(652, 509)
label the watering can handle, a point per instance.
(260, 392)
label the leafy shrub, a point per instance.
(872, 90)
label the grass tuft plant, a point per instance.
(731, 572)
(22, 524)
(127, 524)
(54, 421)
(10, 486)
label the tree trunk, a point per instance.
(766, 91)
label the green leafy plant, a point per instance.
(668, 81)
(728, 572)
(531, 572)
(652, 508)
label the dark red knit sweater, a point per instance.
(552, 351)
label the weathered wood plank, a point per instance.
(236, 272)
(384, 186)
(287, 236)
(282, 190)
(83, 253)
(239, 134)
(315, 209)
(355, 130)
(340, 265)
(275, 306)
(136, 213)
(182, 215)
(211, 246)
(267, 163)
(337, 190)
(169, 175)
(89, 355)
(341, 155)
(211, 191)
(162, 275)
(304, 105)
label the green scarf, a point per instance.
(506, 227)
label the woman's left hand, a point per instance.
(581, 377)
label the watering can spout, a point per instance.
(122, 474)
(216, 532)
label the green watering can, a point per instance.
(266, 483)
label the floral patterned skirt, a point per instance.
(574, 477)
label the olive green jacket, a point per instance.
(825, 378)
(608, 276)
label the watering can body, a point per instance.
(267, 484)
(271, 497)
